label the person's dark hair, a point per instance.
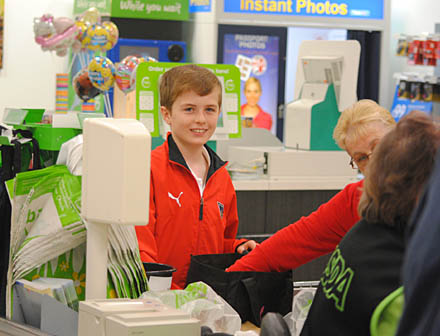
(184, 78)
(398, 169)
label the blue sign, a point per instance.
(353, 9)
(403, 106)
(199, 6)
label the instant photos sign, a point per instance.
(359, 9)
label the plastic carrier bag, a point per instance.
(251, 294)
(48, 236)
(203, 303)
(302, 301)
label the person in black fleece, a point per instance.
(366, 265)
(421, 269)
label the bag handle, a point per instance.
(7, 162)
(16, 168)
(36, 162)
(251, 288)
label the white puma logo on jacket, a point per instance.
(176, 198)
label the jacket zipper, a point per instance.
(201, 209)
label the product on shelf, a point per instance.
(402, 46)
(419, 49)
(429, 50)
(415, 51)
(415, 86)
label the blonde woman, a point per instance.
(251, 110)
(359, 129)
(366, 265)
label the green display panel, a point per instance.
(104, 6)
(151, 9)
(148, 105)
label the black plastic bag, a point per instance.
(251, 294)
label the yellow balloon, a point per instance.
(96, 37)
(113, 32)
(91, 16)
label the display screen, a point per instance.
(138, 51)
(295, 36)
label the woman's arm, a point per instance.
(308, 238)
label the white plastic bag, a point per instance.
(302, 301)
(71, 155)
(203, 303)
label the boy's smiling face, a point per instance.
(193, 118)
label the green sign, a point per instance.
(150, 9)
(103, 6)
(148, 106)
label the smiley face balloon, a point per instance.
(102, 73)
(96, 38)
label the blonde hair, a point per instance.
(252, 80)
(357, 117)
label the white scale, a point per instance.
(115, 190)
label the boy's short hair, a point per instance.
(184, 78)
(358, 117)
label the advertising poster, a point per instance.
(256, 56)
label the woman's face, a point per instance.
(252, 93)
(361, 148)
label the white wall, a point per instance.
(27, 78)
(28, 75)
(411, 18)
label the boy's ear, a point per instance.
(166, 114)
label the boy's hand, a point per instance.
(246, 247)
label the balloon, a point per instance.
(90, 16)
(96, 37)
(102, 73)
(55, 34)
(83, 87)
(133, 74)
(113, 35)
(82, 29)
(124, 71)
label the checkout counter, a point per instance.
(276, 184)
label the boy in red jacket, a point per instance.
(193, 207)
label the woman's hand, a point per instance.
(246, 247)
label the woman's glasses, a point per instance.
(360, 161)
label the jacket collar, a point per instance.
(176, 156)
